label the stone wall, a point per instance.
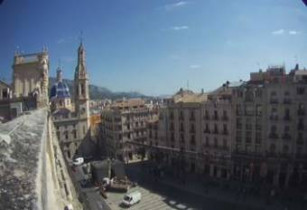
(33, 174)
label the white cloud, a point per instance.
(293, 32)
(179, 28)
(60, 41)
(278, 32)
(175, 5)
(194, 66)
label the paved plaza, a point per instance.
(170, 194)
(150, 200)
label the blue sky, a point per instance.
(156, 46)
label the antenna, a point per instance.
(81, 37)
(17, 51)
(60, 66)
(188, 84)
(258, 65)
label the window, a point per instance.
(181, 117)
(258, 110)
(238, 109)
(207, 141)
(75, 134)
(82, 90)
(181, 138)
(215, 143)
(192, 128)
(248, 137)
(258, 138)
(4, 94)
(192, 115)
(224, 143)
(216, 117)
(272, 148)
(300, 90)
(181, 127)
(239, 123)
(258, 93)
(192, 140)
(249, 110)
(238, 136)
(216, 131)
(273, 129)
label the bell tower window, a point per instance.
(82, 90)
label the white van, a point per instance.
(132, 198)
(78, 161)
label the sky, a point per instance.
(157, 46)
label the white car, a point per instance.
(78, 161)
(132, 198)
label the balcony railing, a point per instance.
(274, 101)
(300, 126)
(207, 130)
(287, 101)
(301, 112)
(225, 132)
(225, 118)
(300, 141)
(215, 117)
(286, 136)
(273, 135)
(192, 118)
(206, 117)
(215, 131)
(287, 118)
(273, 117)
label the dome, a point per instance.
(59, 90)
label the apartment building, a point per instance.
(270, 141)
(252, 131)
(124, 128)
(217, 127)
(177, 133)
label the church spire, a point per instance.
(59, 77)
(81, 67)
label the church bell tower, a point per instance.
(81, 92)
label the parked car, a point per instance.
(132, 198)
(78, 161)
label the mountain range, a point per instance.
(97, 92)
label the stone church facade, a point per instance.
(72, 120)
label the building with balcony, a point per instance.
(124, 128)
(252, 131)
